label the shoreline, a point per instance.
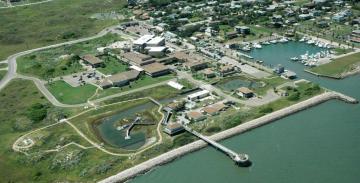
(342, 76)
(244, 127)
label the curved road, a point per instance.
(12, 65)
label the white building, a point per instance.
(140, 43)
(198, 95)
(158, 51)
(156, 41)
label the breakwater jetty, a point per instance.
(176, 153)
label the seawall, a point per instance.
(173, 154)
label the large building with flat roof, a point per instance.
(156, 69)
(92, 60)
(138, 59)
(120, 79)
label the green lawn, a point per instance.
(144, 80)
(71, 95)
(338, 66)
(112, 65)
(3, 65)
(24, 28)
(62, 60)
(17, 98)
(2, 74)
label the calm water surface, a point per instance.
(116, 138)
(321, 144)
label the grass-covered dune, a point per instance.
(24, 28)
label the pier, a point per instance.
(131, 126)
(239, 159)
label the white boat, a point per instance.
(303, 39)
(283, 40)
(257, 45)
(246, 48)
(266, 43)
(273, 41)
(310, 41)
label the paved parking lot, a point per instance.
(244, 67)
(82, 78)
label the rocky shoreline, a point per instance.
(173, 154)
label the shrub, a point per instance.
(294, 96)
(266, 110)
(213, 129)
(37, 112)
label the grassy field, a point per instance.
(70, 164)
(338, 66)
(73, 164)
(61, 61)
(15, 121)
(2, 74)
(112, 65)
(158, 93)
(3, 65)
(24, 28)
(144, 80)
(71, 95)
(261, 85)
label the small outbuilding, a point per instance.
(173, 128)
(245, 92)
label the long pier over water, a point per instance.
(239, 159)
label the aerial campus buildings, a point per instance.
(172, 77)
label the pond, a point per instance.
(107, 131)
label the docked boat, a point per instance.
(303, 39)
(246, 48)
(257, 45)
(310, 41)
(283, 40)
(273, 41)
(266, 43)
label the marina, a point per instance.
(306, 133)
(285, 138)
